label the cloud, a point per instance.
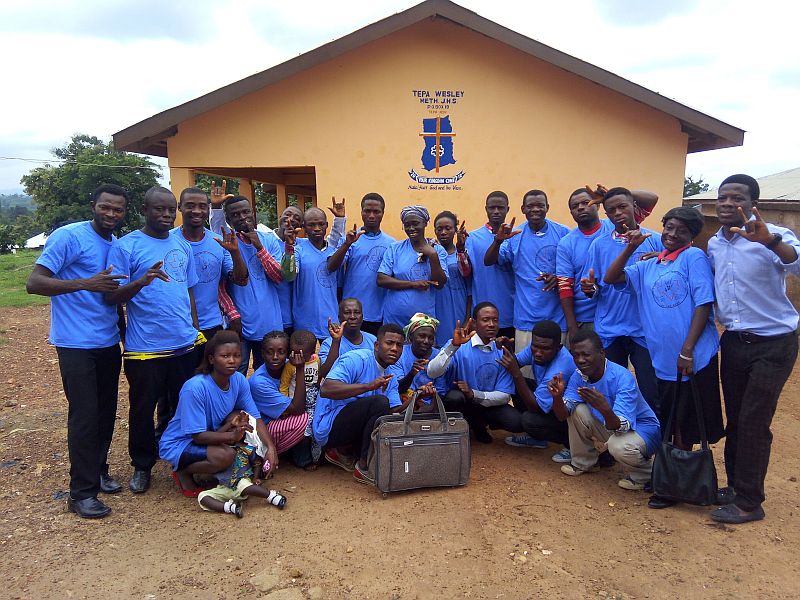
(113, 19)
(632, 13)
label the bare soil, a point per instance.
(519, 529)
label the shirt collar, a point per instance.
(371, 234)
(542, 231)
(475, 340)
(665, 257)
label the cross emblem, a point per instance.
(437, 148)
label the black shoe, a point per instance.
(109, 485)
(658, 503)
(88, 508)
(483, 435)
(140, 482)
(725, 496)
(733, 515)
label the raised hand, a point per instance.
(508, 361)
(379, 383)
(103, 281)
(550, 281)
(506, 231)
(296, 359)
(461, 236)
(218, 195)
(596, 194)
(353, 235)
(419, 365)
(556, 386)
(290, 236)
(461, 335)
(229, 240)
(251, 235)
(155, 272)
(335, 330)
(753, 231)
(337, 208)
(428, 250)
(464, 388)
(589, 284)
(635, 237)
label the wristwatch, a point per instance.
(776, 239)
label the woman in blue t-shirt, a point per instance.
(675, 294)
(409, 268)
(453, 300)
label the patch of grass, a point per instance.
(14, 271)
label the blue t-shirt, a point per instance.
(480, 369)
(213, 264)
(257, 302)
(562, 363)
(571, 257)
(360, 273)
(203, 406)
(401, 261)
(266, 392)
(618, 385)
(314, 290)
(616, 313)
(667, 297)
(493, 284)
(358, 366)
(367, 343)
(529, 255)
(403, 366)
(451, 300)
(160, 314)
(79, 319)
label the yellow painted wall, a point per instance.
(520, 124)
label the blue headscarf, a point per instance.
(415, 210)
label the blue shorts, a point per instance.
(191, 454)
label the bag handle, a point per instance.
(410, 412)
(698, 409)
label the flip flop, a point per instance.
(193, 493)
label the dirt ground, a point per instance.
(519, 529)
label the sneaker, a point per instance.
(362, 476)
(573, 471)
(340, 460)
(626, 483)
(563, 456)
(525, 441)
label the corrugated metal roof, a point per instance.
(778, 186)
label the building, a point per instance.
(434, 105)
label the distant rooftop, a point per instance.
(778, 187)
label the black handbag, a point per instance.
(685, 475)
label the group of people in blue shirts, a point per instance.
(530, 330)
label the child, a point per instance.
(243, 477)
(305, 342)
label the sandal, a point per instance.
(192, 493)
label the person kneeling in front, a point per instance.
(604, 408)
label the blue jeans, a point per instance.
(248, 347)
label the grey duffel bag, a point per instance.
(411, 451)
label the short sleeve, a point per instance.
(701, 279)
(387, 262)
(393, 393)
(507, 251)
(244, 398)
(563, 262)
(571, 397)
(59, 249)
(192, 408)
(626, 397)
(524, 357)
(325, 349)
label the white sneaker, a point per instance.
(626, 483)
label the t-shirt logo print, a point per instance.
(375, 256)
(670, 289)
(546, 259)
(207, 266)
(485, 377)
(324, 277)
(255, 268)
(175, 262)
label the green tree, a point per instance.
(692, 187)
(7, 240)
(61, 192)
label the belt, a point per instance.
(752, 338)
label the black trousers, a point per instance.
(504, 417)
(545, 426)
(624, 349)
(150, 380)
(753, 375)
(91, 380)
(355, 422)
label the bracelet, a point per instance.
(776, 239)
(689, 358)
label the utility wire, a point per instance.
(79, 164)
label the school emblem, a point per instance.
(175, 262)
(671, 289)
(207, 266)
(437, 136)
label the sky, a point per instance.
(98, 66)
